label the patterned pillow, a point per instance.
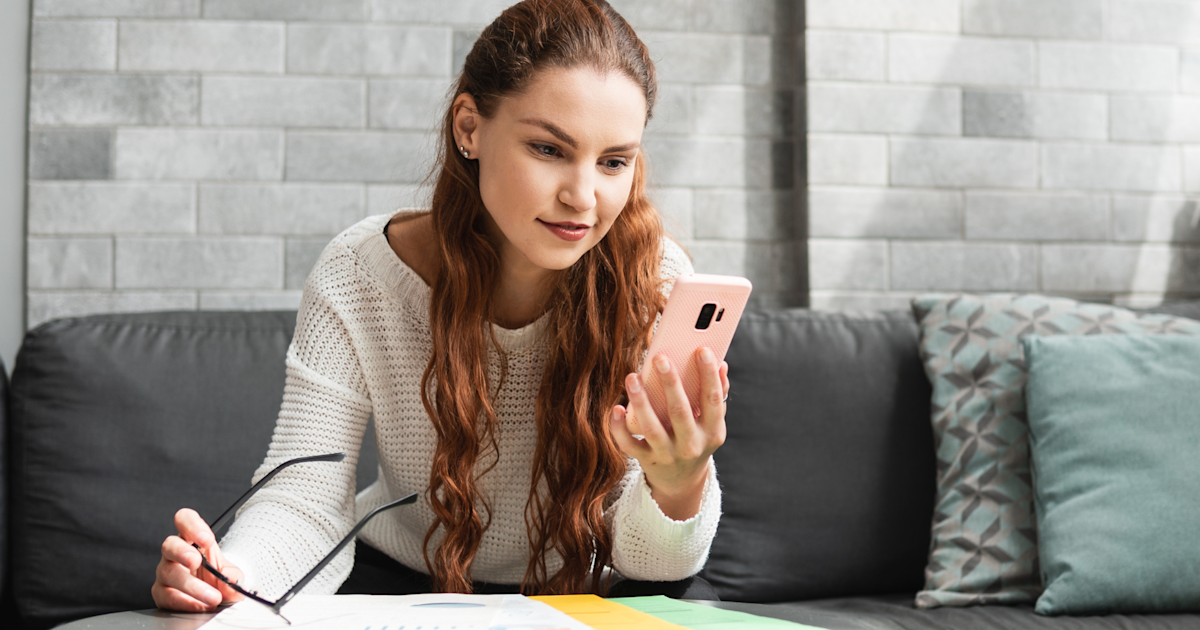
(984, 544)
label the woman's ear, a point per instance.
(466, 125)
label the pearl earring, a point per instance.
(464, 151)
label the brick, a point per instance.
(1049, 115)
(1060, 19)
(960, 60)
(73, 45)
(697, 161)
(301, 256)
(771, 267)
(462, 43)
(43, 306)
(838, 212)
(1189, 82)
(279, 208)
(111, 208)
(282, 102)
(736, 16)
(480, 12)
(759, 63)
(698, 57)
(1120, 268)
(1156, 219)
(1156, 118)
(113, 99)
(859, 301)
(374, 156)
(116, 8)
(884, 109)
(885, 15)
(674, 110)
(847, 264)
(770, 164)
(1110, 67)
(739, 110)
(335, 10)
(250, 300)
(369, 49)
(387, 199)
(70, 154)
(847, 159)
(69, 263)
(198, 154)
(963, 162)
(674, 205)
(407, 103)
(759, 215)
(1191, 160)
(844, 55)
(667, 15)
(1036, 217)
(1125, 167)
(958, 266)
(208, 46)
(199, 263)
(1157, 21)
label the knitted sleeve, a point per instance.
(647, 544)
(289, 525)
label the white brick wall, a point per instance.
(1032, 145)
(201, 153)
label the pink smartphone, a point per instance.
(703, 310)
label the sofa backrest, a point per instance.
(117, 421)
(828, 471)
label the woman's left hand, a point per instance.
(675, 460)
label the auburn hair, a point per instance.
(600, 316)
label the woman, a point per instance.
(493, 339)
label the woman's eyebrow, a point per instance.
(565, 137)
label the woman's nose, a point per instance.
(579, 190)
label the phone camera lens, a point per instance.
(706, 315)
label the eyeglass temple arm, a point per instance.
(412, 498)
(228, 515)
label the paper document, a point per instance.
(398, 612)
(701, 617)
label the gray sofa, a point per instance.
(113, 422)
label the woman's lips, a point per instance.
(567, 231)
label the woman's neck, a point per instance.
(522, 291)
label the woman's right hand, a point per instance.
(181, 583)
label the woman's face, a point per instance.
(556, 163)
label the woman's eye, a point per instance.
(546, 150)
(614, 164)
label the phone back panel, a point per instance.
(678, 338)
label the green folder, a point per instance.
(701, 617)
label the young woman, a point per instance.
(495, 340)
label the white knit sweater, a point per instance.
(361, 345)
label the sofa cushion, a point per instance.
(1114, 431)
(117, 422)
(827, 473)
(984, 527)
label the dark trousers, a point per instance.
(376, 573)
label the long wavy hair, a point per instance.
(600, 315)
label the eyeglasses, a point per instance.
(228, 515)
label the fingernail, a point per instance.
(635, 385)
(616, 414)
(213, 598)
(662, 364)
(706, 355)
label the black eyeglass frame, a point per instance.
(228, 515)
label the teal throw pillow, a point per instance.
(984, 529)
(1115, 437)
